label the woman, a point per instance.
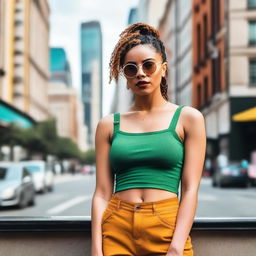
(142, 215)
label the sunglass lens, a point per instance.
(149, 67)
(130, 70)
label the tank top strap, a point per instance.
(116, 122)
(175, 117)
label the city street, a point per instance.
(72, 197)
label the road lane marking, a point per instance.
(68, 204)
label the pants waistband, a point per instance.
(115, 203)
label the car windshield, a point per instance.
(9, 173)
(33, 168)
(232, 167)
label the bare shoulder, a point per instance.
(106, 121)
(105, 125)
(192, 117)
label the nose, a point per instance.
(140, 71)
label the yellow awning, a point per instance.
(248, 115)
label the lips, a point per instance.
(140, 83)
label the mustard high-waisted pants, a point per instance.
(140, 229)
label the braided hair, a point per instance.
(136, 34)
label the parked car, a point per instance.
(252, 169)
(88, 169)
(16, 185)
(252, 174)
(41, 173)
(85, 169)
(230, 174)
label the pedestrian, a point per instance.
(141, 157)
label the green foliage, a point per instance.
(41, 138)
(12, 135)
(66, 148)
(88, 157)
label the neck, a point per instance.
(148, 105)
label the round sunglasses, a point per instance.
(130, 70)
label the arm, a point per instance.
(195, 147)
(104, 182)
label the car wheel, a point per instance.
(244, 185)
(22, 203)
(44, 190)
(32, 202)
(221, 185)
(50, 189)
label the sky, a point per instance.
(65, 19)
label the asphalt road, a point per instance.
(73, 193)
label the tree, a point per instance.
(66, 148)
(88, 157)
(12, 135)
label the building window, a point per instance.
(251, 4)
(220, 71)
(205, 36)
(206, 89)
(252, 32)
(252, 72)
(198, 44)
(215, 13)
(199, 102)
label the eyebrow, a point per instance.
(142, 61)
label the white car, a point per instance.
(16, 185)
(41, 173)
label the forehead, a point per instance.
(141, 52)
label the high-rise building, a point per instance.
(210, 79)
(241, 82)
(123, 98)
(64, 103)
(25, 39)
(211, 45)
(91, 66)
(133, 16)
(151, 11)
(59, 66)
(2, 72)
(176, 33)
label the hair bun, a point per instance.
(140, 29)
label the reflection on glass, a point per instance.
(9, 173)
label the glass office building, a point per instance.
(91, 68)
(59, 66)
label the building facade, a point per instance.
(176, 33)
(211, 49)
(64, 104)
(59, 66)
(242, 74)
(123, 98)
(26, 40)
(91, 58)
(2, 71)
(151, 11)
(223, 70)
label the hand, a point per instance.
(172, 251)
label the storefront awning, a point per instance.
(10, 114)
(248, 115)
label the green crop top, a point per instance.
(147, 160)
